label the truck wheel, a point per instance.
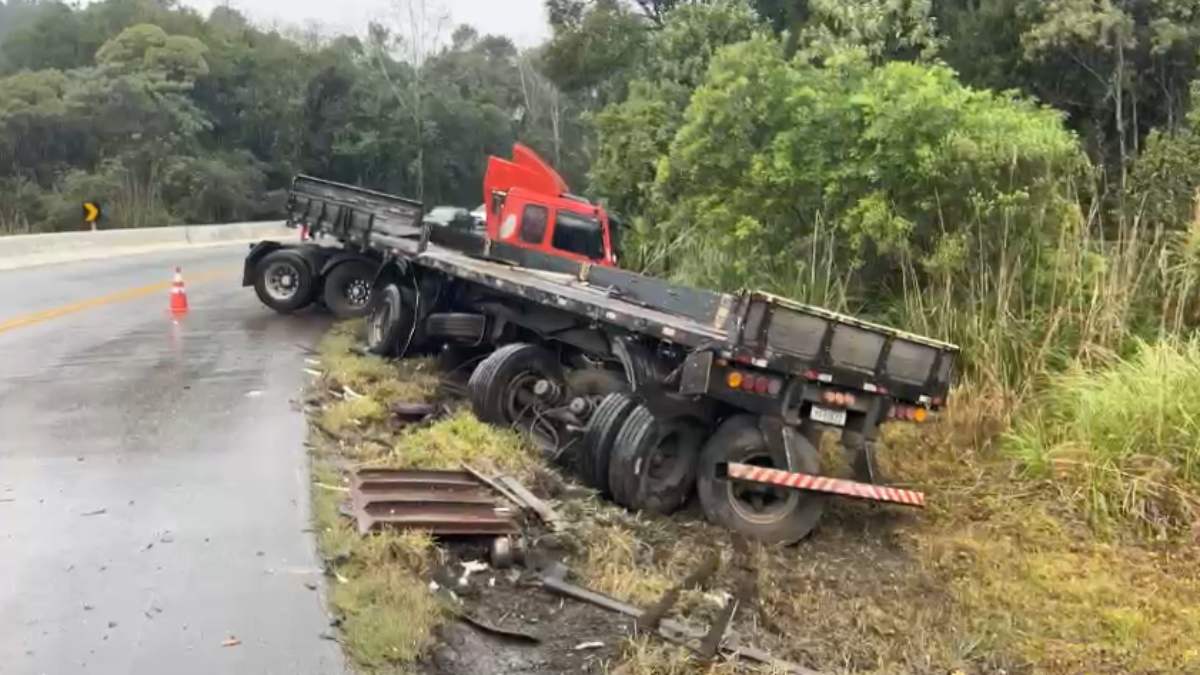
(598, 437)
(347, 290)
(502, 387)
(653, 462)
(762, 512)
(389, 322)
(283, 280)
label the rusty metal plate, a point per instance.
(440, 502)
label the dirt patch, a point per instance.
(566, 631)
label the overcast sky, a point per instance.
(522, 20)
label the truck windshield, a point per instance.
(579, 234)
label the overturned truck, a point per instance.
(649, 390)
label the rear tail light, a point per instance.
(842, 399)
(908, 413)
(754, 384)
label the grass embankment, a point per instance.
(380, 583)
(1056, 543)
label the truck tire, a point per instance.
(284, 281)
(389, 322)
(347, 289)
(502, 384)
(653, 462)
(460, 326)
(767, 514)
(598, 437)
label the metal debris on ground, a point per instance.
(496, 630)
(595, 644)
(440, 502)
(506, 551)
(553, 579)
(530, 502)
(97, 512)
(654, 615)
(413, 412)
(231, 642)
(490, 482)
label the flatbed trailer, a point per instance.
(648, 389)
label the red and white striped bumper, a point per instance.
(837, 486)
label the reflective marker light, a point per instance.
(761, 384)
(734, 379)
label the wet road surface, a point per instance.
(153, 478)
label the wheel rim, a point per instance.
(519, 398)
(666, 463)
(760, 503)
(357, 292)
(282, 280)
(379, 320)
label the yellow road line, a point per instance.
(120, 296)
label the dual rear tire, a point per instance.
(286, 281)
(649, 463)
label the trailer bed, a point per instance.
(754, 328)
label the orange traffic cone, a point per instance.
(179, 303)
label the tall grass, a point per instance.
(1130, 431)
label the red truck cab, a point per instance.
(530, 206)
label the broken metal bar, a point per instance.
(493, 484)
(531, 502)
(498, 631)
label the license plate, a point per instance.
(828, 416)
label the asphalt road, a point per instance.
(153, 478)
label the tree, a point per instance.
(593, 52)
(889, 171)
(417, 28)
(634, 133)
(1118, 68)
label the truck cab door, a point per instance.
(556, 230)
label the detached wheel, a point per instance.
(763, 512)
(347, 290)
(284, 281)
(502, 386)
(598, 438)
(653, 461)
(390, 321)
